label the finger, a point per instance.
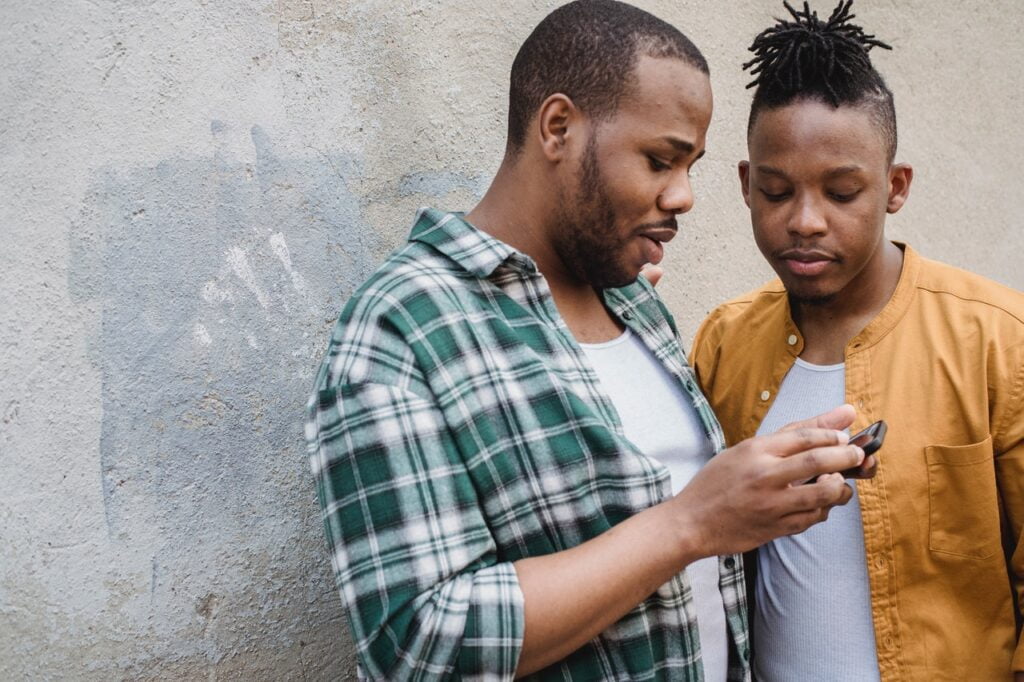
(653, 273)
(838, 419)
(827, 491)
(867, 469)
(786, 443)
(798, 522)
(814, 462)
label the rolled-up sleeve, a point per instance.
(411, 550)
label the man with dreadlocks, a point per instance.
(920, 576)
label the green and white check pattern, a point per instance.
(457, 427)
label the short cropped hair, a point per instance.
(588, 50)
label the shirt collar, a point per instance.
(897, 306)
(476, 251)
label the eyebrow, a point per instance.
(679, 144)
(834, 172)
(682, 146)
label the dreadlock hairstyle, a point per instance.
(827, 61)
(588, 50)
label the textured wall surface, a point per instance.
(189, 190)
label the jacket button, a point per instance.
(765, 395)
(792, 340)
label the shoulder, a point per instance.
(738, 326)
(739, 315)
(411, 277)
(415, 290)
(970, 294)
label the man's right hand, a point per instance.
(752, 492)
(741, 499)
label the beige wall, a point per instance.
(189, 191)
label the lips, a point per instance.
(653, 239)
(806, 262)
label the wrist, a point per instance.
(686, 539)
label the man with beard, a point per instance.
(508, 445)
(920, 577)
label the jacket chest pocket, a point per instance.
(963, 505)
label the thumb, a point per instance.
(653, 273)
(837, 419)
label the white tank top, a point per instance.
(812, 613)
(659, 419)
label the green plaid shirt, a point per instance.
(456, 427)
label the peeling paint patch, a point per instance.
(201, 335)
(239, 264)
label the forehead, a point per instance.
(668, 96)
(810, 130)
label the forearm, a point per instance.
(572, 596)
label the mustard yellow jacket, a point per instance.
(943, 365)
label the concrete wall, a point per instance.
(188, 193)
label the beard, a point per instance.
(796, 298)
(587, 237)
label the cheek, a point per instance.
(768, 221)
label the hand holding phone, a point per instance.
(869, 440)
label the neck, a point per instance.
(517, 209)
(828, 327)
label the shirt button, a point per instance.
(627, 315)
(730, 562)
(792, 340)
(765, 395)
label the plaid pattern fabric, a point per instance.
(456, 427)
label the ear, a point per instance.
(900, 177)
(744, 170)
(556, 119)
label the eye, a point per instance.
(775, 196)
(843, 198)
(657, 164)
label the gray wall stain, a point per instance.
(217, 282)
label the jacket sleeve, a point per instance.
(412, 554)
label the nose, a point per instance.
(677, 196)
(808, 218)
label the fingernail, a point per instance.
(843, 436)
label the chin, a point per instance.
(622, 280)
(811, 296)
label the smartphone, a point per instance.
(870, 439)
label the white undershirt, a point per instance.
(659, 419)
(812, 614)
